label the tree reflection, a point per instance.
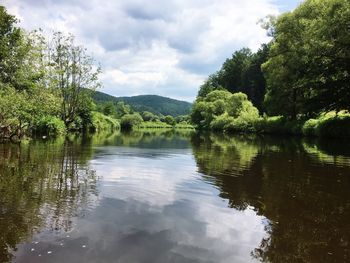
(305, 198)
(42, 184)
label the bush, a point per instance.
(240, 125)
(148, 116)
(170, 120)
(330, 124)
(129, 121)
(101, 122)
(50, 126)
(335, 127)
(220, 122)
(309, 127)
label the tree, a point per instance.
(170, 120)
(148, 116)
(307, 70)
(183, 118)
(109, 108)
(72, 73)
(240, 73)
(11, 38)
(24, 98)
(122, 109)
(221, 110)
(129, 121)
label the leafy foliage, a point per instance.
(222, 110)
(42, 82)
(301, 74)
(72, 75)
(307, 70)
(50, 126)
(129, 121)
(240, 73)
(101, 122)
(332, 124)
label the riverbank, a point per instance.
(328, 125)
(227, 112)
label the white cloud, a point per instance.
(160, 47)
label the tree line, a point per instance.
(301, 77)
(46, 87)
(44, 81)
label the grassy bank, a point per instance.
(162, 125)
(327, 125)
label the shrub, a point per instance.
(240, 125)
(170, 120)
(334, 127)
(220, 122)
(101, 122)
(50, 126)
(129, 121)
(148, 116)
(274, 124)
(309, 127)
(330, 124)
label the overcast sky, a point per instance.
(164, 47)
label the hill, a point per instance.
(152, 103)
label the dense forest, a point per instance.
(301, 78)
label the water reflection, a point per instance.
(300, 187)
(175, 197)
(42, 185)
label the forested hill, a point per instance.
(152, 103)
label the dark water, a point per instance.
(175, 198)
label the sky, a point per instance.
(158, 47)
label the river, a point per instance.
(175, 197)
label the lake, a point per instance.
(175, 197)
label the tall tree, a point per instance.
(72, 73)
(240, 73)
(308, 67)
(10, 45)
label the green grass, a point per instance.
(154, 125)
(163, 125)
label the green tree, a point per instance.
(308, 67)
(129, 121)
(11, 51)
(72, 73)
(170, 120)
(109, 108)
(122, 109)
(222, 110)
(148, 116)
(240, 73)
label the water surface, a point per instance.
(172, 197)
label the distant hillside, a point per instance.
(152, 103)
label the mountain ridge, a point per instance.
(156, 104)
